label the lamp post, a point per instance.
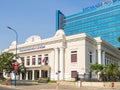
(16, 36)
(15, 63)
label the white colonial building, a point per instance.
(63, 57)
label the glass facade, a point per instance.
(103, 21)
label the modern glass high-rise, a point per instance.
(101, 20)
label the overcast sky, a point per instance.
(34, 17)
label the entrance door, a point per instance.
(44, 73)
(30, 75)
(23, 76)
(36, 74)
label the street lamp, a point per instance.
(16, 36)
(15, 63)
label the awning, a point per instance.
(45, 67)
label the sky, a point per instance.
(34, 17)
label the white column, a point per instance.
(33, 75)
(20, 76)
(99, 56)
(36, 58)
(61, 63)
(25, 60)
(39, 73)
(56, 63)
(103, 58)
(49, 73)
(30, 60)
(27, 75)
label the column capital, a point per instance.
(62, 47)
(56, 48)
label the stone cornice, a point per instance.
(42, 42)
(108, 47)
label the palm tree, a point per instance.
(97, 68)
(111, 71)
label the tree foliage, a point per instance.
(6, 63)
(96, 67)
(119, 39)
(110, 72)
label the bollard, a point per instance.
(57, 85)
(112, 84)
(80, 83)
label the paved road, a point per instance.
(6, 88)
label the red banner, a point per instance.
(16, 66)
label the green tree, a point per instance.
(111, 71)
(108, 73)
(6, 63)
(119, 39)
(96, 68)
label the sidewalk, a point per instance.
(53, 86)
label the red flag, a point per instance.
(44, 60)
